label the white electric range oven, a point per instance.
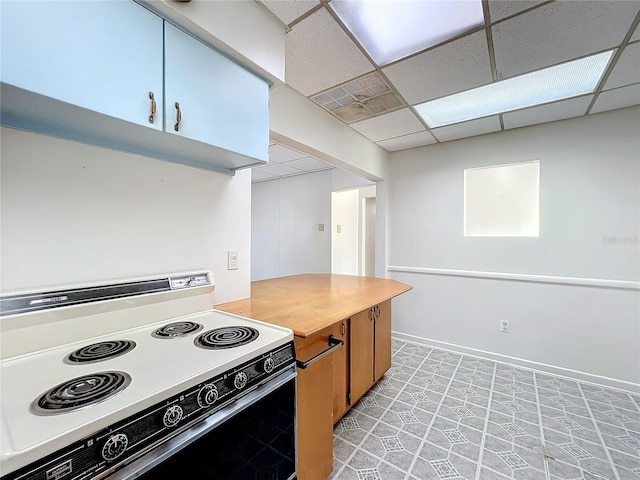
(142, 378)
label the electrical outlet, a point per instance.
(504, 326)
(232, 260)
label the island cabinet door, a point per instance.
(102, 56)
(317, 356)
(382, 346)
(341, 371)
(361, 345)
(212, 99)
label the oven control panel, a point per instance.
(186, 281)
(101, 454)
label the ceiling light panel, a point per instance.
(391, 30)
(559, 82)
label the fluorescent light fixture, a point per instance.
(393, 29)
(559, 82)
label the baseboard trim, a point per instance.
(584, 377)
(521, 277)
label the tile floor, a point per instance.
(440, 415)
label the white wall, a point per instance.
(73, 213)
(589, 229)
(285, 215)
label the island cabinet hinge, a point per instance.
(349, 397)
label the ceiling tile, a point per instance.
(288, 10)
(259, 176)
(417, 139)
(308, 164)
(559, 31)
(394, 124)
(279, 154)
(319, 54)
(278, 170)
(573, 107)
(618, 98)
(500, 9)
(455, 66)
(627, 69)
(467, 129)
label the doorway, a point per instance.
(353, 220)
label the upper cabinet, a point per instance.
(212, 99)
(104, 56)
(117, 75)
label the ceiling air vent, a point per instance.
(359, 99)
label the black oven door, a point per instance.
(252, 439)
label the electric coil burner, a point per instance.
(124, 403)
(226, 337)
(177, 329)
(97, 352)
(80, 392)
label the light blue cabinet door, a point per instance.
(105, 56)
(221, 103)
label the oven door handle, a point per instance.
(333, 344)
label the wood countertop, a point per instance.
(308, 303)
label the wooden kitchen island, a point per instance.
(342, 327)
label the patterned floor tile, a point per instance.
(368, 467)
(627, 466)
(424, 398)
(437, 463)
(445, 357)
(388, 386)
(342, 449)
(433, 382)
(408, 418)
(463, 412)
(512, 460)
(436, 413)
(354, 426)
(373, 404)
(392, 445)
(455, 438)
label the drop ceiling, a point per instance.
(325, 63)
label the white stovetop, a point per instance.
(158, 368)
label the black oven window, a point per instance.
(258, 443)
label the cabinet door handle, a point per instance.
(333, 343)
(178, 117)
(344, 329)
(153, 107)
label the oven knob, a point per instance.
(207, 395)
(240, 380)
(114, 446)
(172, 416)
(268, 365)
